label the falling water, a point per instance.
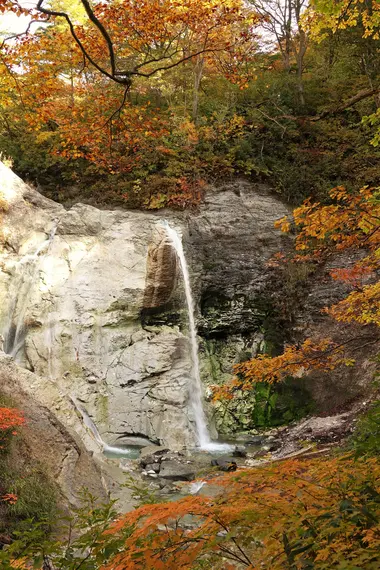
(196, 388)
(24, 279)
(107, 449)
(49, 343)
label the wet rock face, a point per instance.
(81, 315)
(230, 242)
(103, 315)
(47, 440)
(160, 304)
(161, 272)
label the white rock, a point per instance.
(89, 287)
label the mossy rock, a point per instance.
(36, 493)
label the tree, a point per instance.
(351, 222)
(90, 81)
(140, 41)
(326, 17)
(342, 14)
(283, 20)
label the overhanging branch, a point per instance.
(364, 94)
(118, 76)
(124, 79)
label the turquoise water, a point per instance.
(119, 452)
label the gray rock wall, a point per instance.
(48, 442)
(103, 312)
(102, 309)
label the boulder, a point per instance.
(57, 449)
(152, 454)
(257, 440)
(176, 471)
(155, 467)
(322, 429)
(239, 451)
(224, 463)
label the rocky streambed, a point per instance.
(170, 475)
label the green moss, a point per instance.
(211, 368)
(263, 407)
(103, 408)
(279, 404)
(36, 493)
(231, 416)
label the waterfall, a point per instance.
(121, 451)
(204, 439)
(49, 342)
(24, 279)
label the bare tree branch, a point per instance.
(15, 36)
(122, 77)
(103, 32)
(364, 94)
(125, 80)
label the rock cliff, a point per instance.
(92, 300)
(47, 441)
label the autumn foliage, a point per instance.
(344, 14)
(116, 110)
(351, 224)
(320, 513)
(296, 514)
(65, 100)
(10, 420)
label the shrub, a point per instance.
(366, 438)
(10, 420)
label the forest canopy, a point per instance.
(143, 104)
(146, 105)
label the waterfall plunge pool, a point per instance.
(121, 452)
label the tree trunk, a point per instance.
(198, 72)
(300, 57)
(288, 34)
(300, 52)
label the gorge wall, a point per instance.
(92, 302)
(99, 312)
(47, 443)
